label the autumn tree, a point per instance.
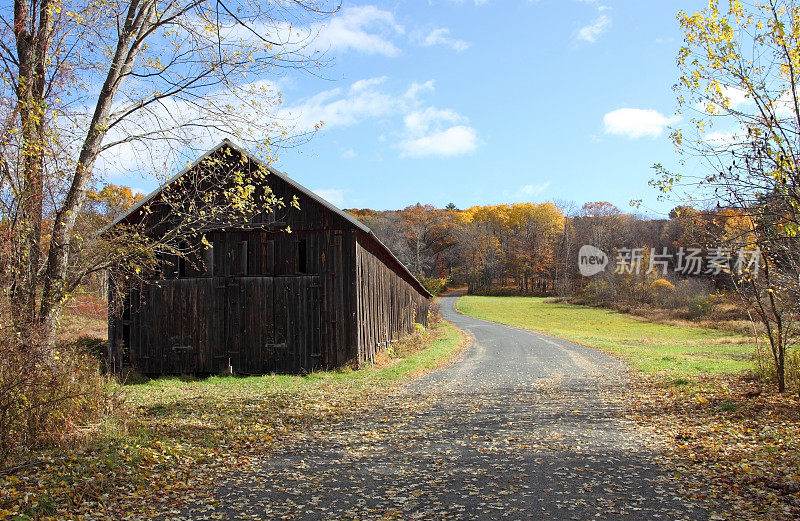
(128, 82)
(600, 224)
(429, 231)
(533, 232)
(739, 83)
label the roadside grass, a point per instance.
(175, 437)
(679, 353)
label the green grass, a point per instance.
(677, 352)
(217, 410)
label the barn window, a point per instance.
(242, 251)
(302, 256)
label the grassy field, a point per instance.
(678, 352)
(173, 438)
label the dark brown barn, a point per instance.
(265, 300)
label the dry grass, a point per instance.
(83, 316)
(723, 321)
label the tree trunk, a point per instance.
(137, 23)
(32, 40)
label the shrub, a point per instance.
(599, 291)
(435, 285)
(686, 291)
(700, 306)
(47, 398)
(96, 348)
(662, 285)
(662, 290)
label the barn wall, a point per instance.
(333, 250)
(253, 325)
(387, 304)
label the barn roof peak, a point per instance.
(285, 178)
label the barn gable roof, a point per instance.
(294, 184)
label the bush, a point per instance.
(688, 290)
(700, 306)
(662, 290)
(47, 398)
(96, 348)
(434, 285)
(599, 291)
(662, 285)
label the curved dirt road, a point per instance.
(518, 428)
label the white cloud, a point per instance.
(528, 191)
(364, 29)
(455, 141)
(427, 131)
(418, 88)
(343, 107)
(335, 196)
(736, 99)
(439, 36)
(367, 84)
(349, 154)
(367, 99)
(636, 123)
(723, 139)
(437, 132)
(418, 122)
(590, 33)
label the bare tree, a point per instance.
(118, 80)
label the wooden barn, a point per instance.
(265, 300)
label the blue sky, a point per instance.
(484, 102)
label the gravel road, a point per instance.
(520, 427)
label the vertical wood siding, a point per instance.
(387, 304)
(253, 325)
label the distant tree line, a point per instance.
(532, 248)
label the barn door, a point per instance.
(233, 335)
(270, 324)
(246, 326)
(297, 324)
